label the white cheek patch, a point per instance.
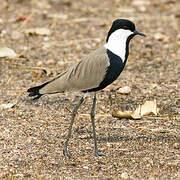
(117, 42)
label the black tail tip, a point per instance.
(34, 92)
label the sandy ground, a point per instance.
(32, 134)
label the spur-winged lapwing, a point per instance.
(94, 72)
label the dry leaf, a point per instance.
(126, 114)
(148, 108)
(7, 52)
(38, 31)
(137, 113)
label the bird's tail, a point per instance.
(34, 91)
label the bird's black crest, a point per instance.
(121, 24)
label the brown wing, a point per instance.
(86, 74)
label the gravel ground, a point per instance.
(32, 134)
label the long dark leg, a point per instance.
(65, 152)
(97, 153)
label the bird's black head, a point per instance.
(123, 24)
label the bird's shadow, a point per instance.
(47, 102)
(145, 138)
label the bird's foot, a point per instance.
(97, 153)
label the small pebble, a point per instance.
(85, 167)
(176, 146)
(50, 62)
(1, 21)
(124, 175)
(161, 37)
(25, 47)
(46, 38)
(15, 35)
(124, 90)
(142, 9)
(140, 3)
(39, 63)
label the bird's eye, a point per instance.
(125, 27)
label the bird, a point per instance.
(92, 73)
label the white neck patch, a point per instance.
(117, 42)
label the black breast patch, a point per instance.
(113, 71)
